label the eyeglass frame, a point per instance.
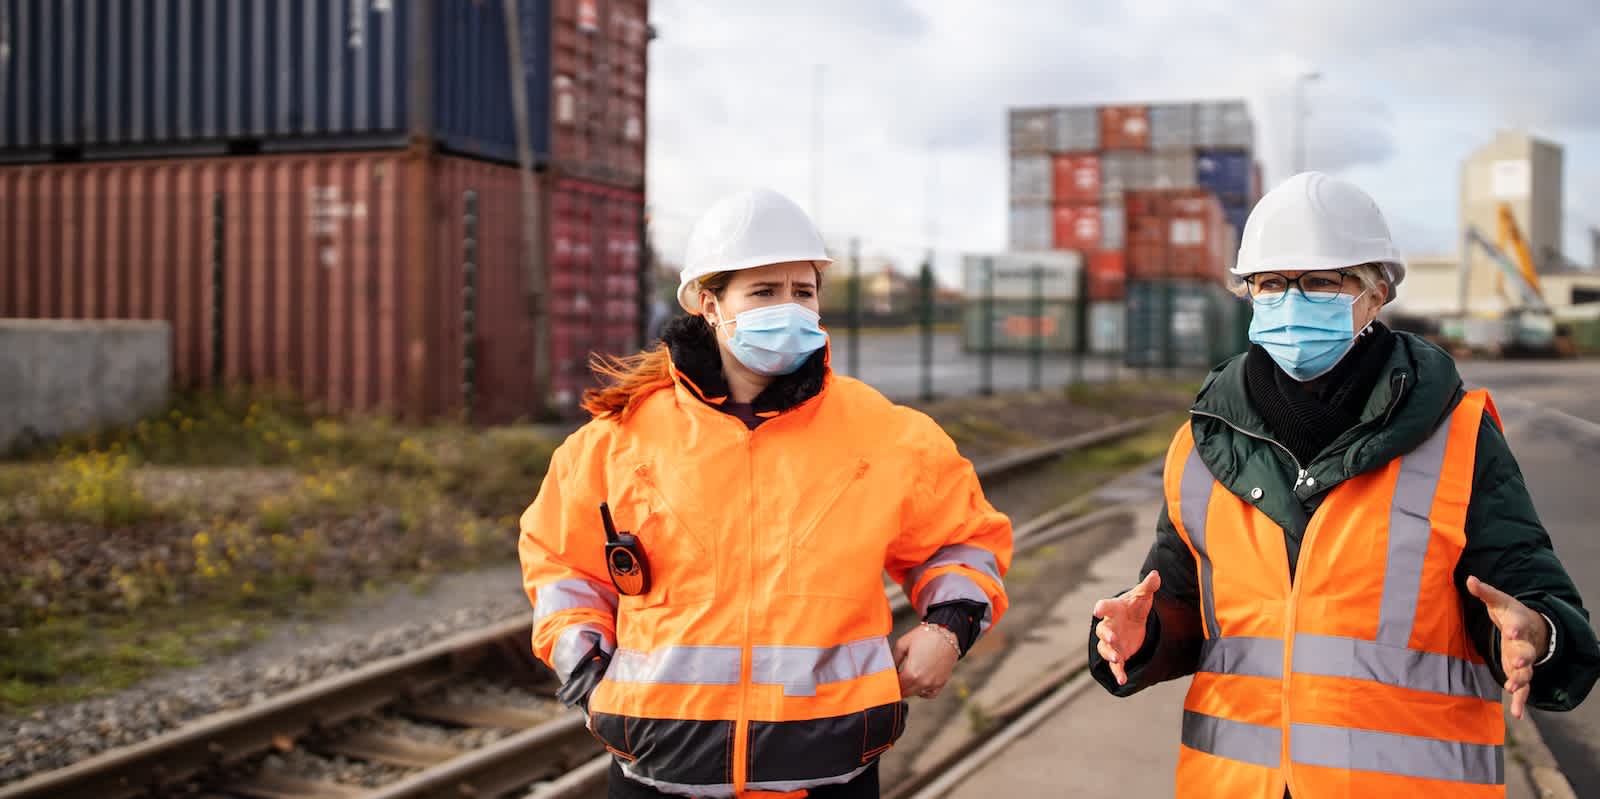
(1294, 283)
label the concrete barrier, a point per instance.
(67, 376)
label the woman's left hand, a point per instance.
(925, 660)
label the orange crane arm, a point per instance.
(1510, 239)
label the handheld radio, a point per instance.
(630, 572)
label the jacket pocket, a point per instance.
(836, 551)
(683, 569)
(612, 733)
(884, 725)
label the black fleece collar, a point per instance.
(697, 357)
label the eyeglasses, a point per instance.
(1320, 286)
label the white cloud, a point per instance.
(918, 86)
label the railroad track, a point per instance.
(472, 715)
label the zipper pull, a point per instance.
(1300, 479)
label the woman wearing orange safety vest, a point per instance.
(1348, 561)
(731, 636)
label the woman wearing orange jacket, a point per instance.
(729, 636)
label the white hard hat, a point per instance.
(752, 228)
(1316, 221)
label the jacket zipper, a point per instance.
(1298, 468)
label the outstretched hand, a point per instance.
(1122, 624)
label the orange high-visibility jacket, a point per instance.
(760, 659)
(1358, 678)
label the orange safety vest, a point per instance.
(760, 659)
(1356, 678)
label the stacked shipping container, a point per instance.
(379, 279)
(1147, 193)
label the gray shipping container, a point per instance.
(1127, 171)
(1032, 129)
(1013, 325)
(1172, 126)
(1031, 226)
(1012, 273)
(1198, 320)
(1108, 327)
(1030, 178)
(1077, 130)
(1224, 124)
(1113, 226)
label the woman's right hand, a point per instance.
(1122, 624)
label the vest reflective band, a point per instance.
(1356, 678)
(799, 669)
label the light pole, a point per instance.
(818, 72)
(1300, 114)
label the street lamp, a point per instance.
(1300, 114)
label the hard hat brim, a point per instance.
(685, 284)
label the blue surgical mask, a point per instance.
(1305, 338)
(775, 340)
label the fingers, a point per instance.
(1519, 701)
(1488, 594)
(1106, 608)
(1148, 586)
(1120, 672)
(902, 648)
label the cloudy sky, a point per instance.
(915, 94)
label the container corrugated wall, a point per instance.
(342, 277)
(1183, 324)
(1224, 124)
(1076, 178)
(1125, 127)
(594, 272)
(599, 80)
(1032, 130)
(1077, 130)
(1031, 178)
(1031, 226)
(1172, 126)
(1230, 174)
(114, 78)
(1013, 326)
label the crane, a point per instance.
(1530, 322)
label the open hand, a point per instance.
(1122, 623)
(1524, 639)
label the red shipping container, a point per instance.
(1076, 179)
(1077, 227)
(1175, 233)
(1107, 275)
(341, 277)
(598, 89)
(1125, 127)
(594, 291)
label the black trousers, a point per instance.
(864, 786)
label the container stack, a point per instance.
(325, 197)
(1147, 193)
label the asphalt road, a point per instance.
(1551, 412)
(892, 363)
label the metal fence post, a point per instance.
(1080, 346)
(469, 303)
(854, 354)
(927, 328)
(986, 357)
(1036, 347)
(219, 230)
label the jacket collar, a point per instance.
(697, 369)
(1419, 387)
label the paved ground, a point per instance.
(892, 362)
(1552, 417)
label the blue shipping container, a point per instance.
(129, 78)
(1236, 216)
(1227, 173)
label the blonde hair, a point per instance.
(1370, 275)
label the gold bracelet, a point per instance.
(946, 633)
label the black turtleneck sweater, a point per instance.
(1307, 417)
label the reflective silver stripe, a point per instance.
(574, 643)
(952, 586)
(572, 595)
(976, 558)
(1389, 753)
(800, 669)
(784, 786)
(1194, 497)
(726, 789)
(1250, 657)
(1409, 532)
(681, 665)
(1332, 656)
(1234, 740)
